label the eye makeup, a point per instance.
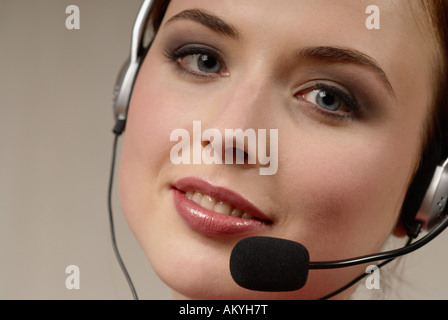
(199, 61)
(332, 101)
(195, 56)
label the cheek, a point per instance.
(147, 145)
(346, 192)
(155, 111)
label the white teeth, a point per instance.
(236, 213)
(245, 215)
(189, 194)
(197, 197)
(223, 207)
(210, 203)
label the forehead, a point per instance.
(299, 10)
(333, 21)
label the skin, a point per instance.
(340, 182)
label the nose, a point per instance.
(245, 106)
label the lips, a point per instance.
(216, 210)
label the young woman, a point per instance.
(360, 114)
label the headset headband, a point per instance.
(128, 73)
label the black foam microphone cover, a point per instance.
(269, 264)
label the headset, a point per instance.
(431, 215)
(128, 73)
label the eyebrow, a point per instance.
(209, 20)
(321, 53)
(341, 54)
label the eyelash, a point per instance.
(175, 56)
(348, 100)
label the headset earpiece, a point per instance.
(128, 73)
(432, 211)
(122, 94)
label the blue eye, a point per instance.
(324, 99)
(201, 63)
(332, 100)
(198, 60)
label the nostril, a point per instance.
(236, 155)
(241, 155)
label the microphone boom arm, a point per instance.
(392, 254)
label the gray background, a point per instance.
(55, 147)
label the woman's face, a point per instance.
(349, 104)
